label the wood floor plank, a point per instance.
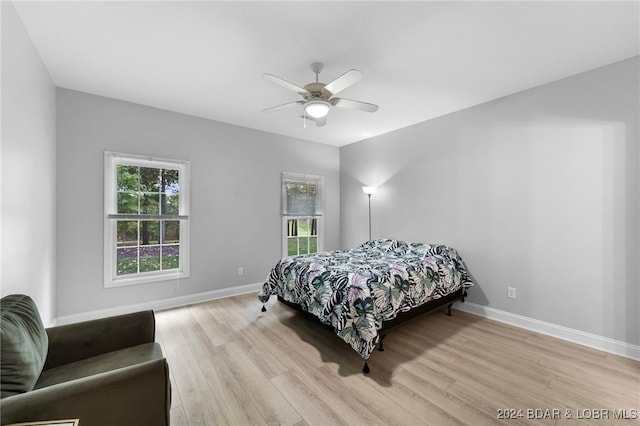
(403, 397)
(217, 332)
(273, 406)
(255, 345)
(178, 416)
(231, 364)
(169, 326)
(198, 401)
(458, 408)
(373, 396)
(353, 409)
(234, 400)
(306, 402)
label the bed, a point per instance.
(362, 292)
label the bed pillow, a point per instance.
(23, 344)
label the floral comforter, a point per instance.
(356, 290)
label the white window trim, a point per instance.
(319, 230)
(286, 217)
(111, 160)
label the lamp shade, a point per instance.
(317, 108)
(369, 189)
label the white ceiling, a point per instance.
(420, 59)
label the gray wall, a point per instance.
(235, 196)
(538, 190)
(28, 232)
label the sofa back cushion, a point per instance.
(23, 344)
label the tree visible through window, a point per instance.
(302, 236)
(147, 245)
(146, 202)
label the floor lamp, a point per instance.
(369, 190)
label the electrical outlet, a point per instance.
(511, 292)
(240, 271)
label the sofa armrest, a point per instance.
(73, 342)
(134, 395)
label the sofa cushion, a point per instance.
(100, 364)
(23, 344)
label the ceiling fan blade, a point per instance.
(345, 80)
(349, 104)
(283, 106)
(284, 83)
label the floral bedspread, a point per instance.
(356, 290)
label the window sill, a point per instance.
(145, 279)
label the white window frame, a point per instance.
(285, 237)
(111, 216)
(319, 180)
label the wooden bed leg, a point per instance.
(365, 369)
(263, 309)
(381, 348)
(449, 309)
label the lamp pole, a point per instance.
(369, 190)
(369, 195)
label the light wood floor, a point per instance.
(232, 364)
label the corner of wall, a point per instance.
(28, 143)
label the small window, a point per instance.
(146, 219)
(302, 214)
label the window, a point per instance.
(146, 219)
(301, 214)
(302, 236)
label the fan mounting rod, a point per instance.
(316, 67)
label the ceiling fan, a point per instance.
(319, 98)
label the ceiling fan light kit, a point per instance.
(317, 108)
(319, 98)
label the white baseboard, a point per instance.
(161, 304)
(605, 344)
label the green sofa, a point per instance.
(108, 371)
